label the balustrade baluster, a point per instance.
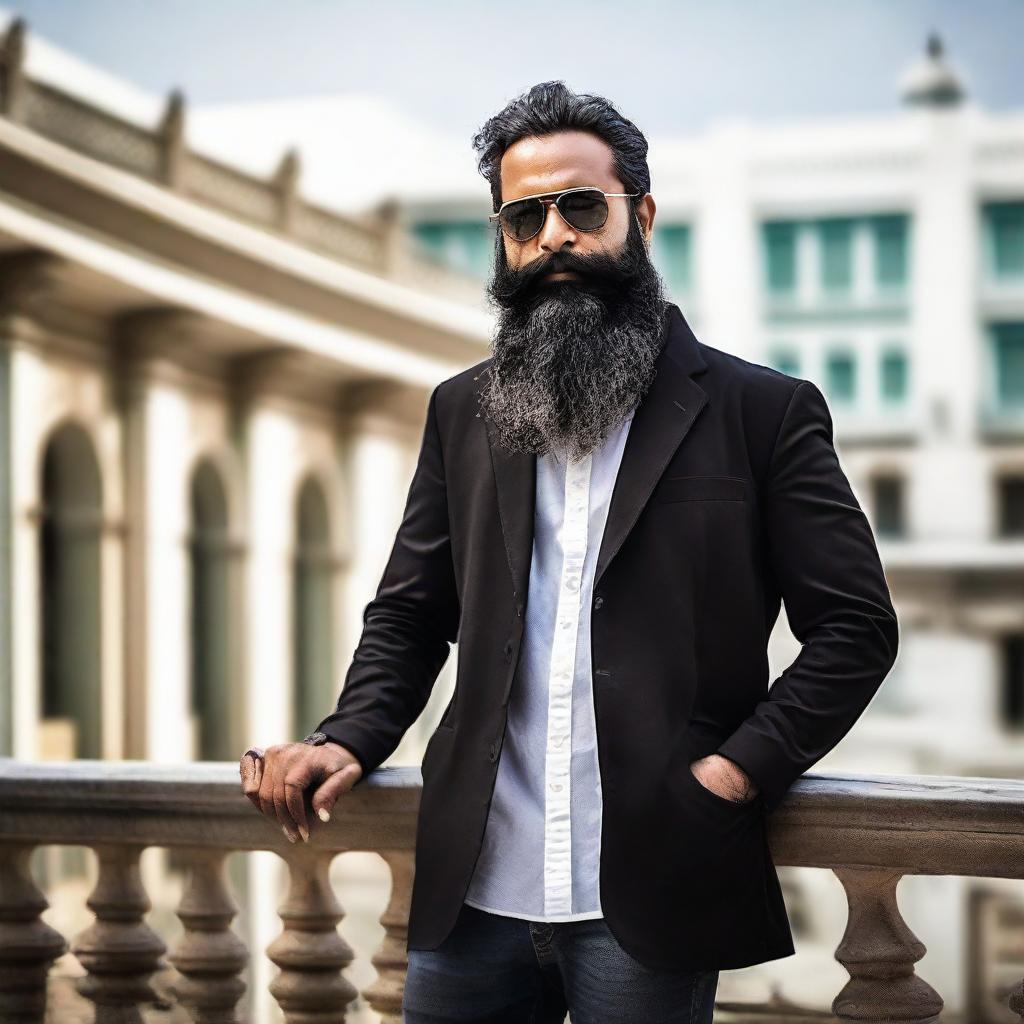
(879, 951)
(28, 946)
(311, 954)
(119, 950)
(391, 960)
(210, 955)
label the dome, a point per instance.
(931, 81)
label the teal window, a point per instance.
(780, 256)
(893, 375)
(785, 360)
(1005, 230)
(1008, 340)
(840, 379)
(467, 246)
(890, 238)
(671, 254)
(836, 241)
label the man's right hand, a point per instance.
(294, 784)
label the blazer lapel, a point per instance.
(661, 421)
(516, 479)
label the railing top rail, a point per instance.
(928, 824)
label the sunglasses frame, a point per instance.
(557, 194)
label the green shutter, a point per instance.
(890, 236)
(840, 376)
(780, 256)
(672, 256)
(836, 241)
(785, 360)
(893, 375)
(462, 245)
(1005, 228)
(1009, 364)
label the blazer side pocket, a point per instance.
(701, 488)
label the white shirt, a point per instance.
(541, 852)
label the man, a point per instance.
(606, 514)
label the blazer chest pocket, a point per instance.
(701, 488)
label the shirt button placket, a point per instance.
(558, 835)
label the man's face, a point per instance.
(580, 313)
(559, 252)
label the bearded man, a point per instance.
(606, 515)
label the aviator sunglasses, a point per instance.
(585, 208)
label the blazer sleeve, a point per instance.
(407, 626)
(823, 555)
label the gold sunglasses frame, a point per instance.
(557, 194)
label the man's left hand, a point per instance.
(724, 777)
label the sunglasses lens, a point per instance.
(586, 211)
(523, 220)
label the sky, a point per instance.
(673, 68)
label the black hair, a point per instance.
(551, 107)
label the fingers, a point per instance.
(280, 783)
(340, 781)
(295, 783)
(284, 815)
(250, 768)
(266, 791)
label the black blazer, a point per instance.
(729, 497)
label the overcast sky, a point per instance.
(671, 67)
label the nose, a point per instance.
(555, 232)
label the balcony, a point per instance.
(870, 830)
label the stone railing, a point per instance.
(869, 830)
(376, 242)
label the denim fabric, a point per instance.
(493, 969)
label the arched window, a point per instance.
(313, 696)
(69, 536)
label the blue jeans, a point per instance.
(493, 969)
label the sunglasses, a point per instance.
(584, 208)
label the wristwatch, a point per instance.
(316, 739)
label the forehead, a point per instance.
(544, 163)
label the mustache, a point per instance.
(602, 274)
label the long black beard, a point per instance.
(572, 357)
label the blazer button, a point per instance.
(493, 753)
(598, 601)
(508, 651)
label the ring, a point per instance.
(255, 752)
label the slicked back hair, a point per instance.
(551, 107)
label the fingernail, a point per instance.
(291, 838)
(304, 832)
(325, 815)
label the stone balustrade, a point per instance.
(869, 830)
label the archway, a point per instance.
(210, 616)
(313, 694)
(71, 524)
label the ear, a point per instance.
(645, 217)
